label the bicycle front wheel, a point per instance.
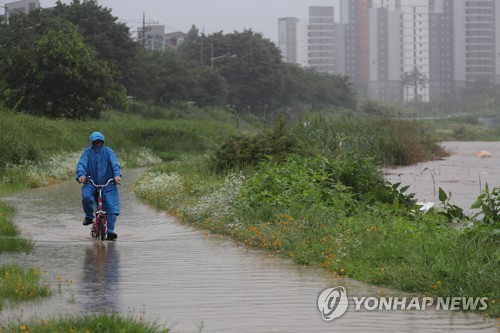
(102, 228)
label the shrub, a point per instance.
(240, 151)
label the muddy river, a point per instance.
(189, 280)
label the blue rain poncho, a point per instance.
(101, 164)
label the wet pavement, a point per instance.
(171, 273)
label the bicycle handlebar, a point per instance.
(89, 180)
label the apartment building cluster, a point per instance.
(399, 50)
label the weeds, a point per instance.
(20, 284)
(102, 323)
(9, 233)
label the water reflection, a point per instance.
(101, 277)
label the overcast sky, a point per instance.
(210, 15)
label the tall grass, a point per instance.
(101, 323)
(20, 284)
(390, 141)
(17, 283)
(10, 240)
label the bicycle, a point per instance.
(99, 227)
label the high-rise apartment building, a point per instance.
(354, 17)
(480, 40)
(415, 53)
(384, 81)
(292, 40)
(441, 50)
(321, 39)
(465, 45)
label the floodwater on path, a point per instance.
(170, 273)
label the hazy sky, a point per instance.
(211, 15)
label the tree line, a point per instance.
(76, 60)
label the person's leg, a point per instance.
(88, 201)
(111, 218)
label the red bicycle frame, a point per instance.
(99, 228)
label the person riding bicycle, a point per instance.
(100, 163)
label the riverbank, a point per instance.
(292, 210)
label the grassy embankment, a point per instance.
(327, 206)
(38, 152)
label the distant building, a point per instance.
(415, 62)
(354, 16)
(21, 6)
(174, 39)
(321, 39)
(292, 40)
(384, 62)
(478, 40)
(153, 37)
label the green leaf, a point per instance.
(442, 195)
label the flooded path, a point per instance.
(171, 273)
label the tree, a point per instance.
(255, 74)
(192, 48)
(171, 78)
(101, 30)
(413, 80)
(57, 75)
(250, 64)
(305, 86)
(212, 88)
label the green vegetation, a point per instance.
(21, 284)
(38, 151)
(9, 233)
(333, 209)
(465, 128)
(102, 323)
(17, 283)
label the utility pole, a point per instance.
(202, 38)
(143, 29)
